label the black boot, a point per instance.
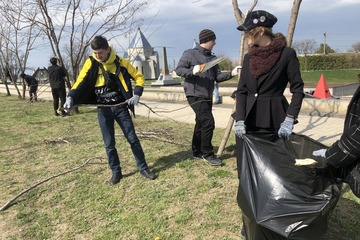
(115, 178)
(148, 174)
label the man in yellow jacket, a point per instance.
(105, 80)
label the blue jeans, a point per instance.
(107, 117)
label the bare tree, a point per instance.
(292, 23)
(17, 39)
(356, 47)
(306, 46)
(4, 56)
(240, 17)
(73, 23)
(324, 49)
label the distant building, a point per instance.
(143, 57)
(42, 75)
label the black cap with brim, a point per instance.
(256, 19)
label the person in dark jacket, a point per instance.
(268, 67)
(343, 157)
(105, 81)
(32, 84)
(57, 76)
(199, 87)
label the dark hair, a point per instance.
(22, 75)
(53, 60)
(99, 42)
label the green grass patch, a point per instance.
(333, 77)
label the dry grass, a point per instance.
(189, 200)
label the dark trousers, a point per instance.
(32, 93)
(59, 94)
(204, 126)
(107, 117)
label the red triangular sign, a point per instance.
(322, 89)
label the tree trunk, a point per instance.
(24, 89)
(8, 93)
(292, 23)
(240, 17)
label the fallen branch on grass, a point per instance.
(43, 181)
(58, 140)
(159, 138)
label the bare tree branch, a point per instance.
(72, 24)
(7, 205)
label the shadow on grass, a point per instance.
(173, 159)
(229, 152)
(169, 161)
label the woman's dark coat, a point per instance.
(261, 102)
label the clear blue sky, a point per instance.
(178, 22)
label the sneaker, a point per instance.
(115, 178)
(212, 160)
(148, 174)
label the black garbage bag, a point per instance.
(278, 199)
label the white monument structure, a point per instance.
(165, 78)
(143, 57)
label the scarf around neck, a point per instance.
(263, 59)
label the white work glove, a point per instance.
(240, 128)
(319, 153)
(286, 128)
(235, 71)
(134, 100)
(196, 69)
(68, 104)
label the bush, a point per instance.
(329, 61)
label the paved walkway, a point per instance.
(324, 129)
